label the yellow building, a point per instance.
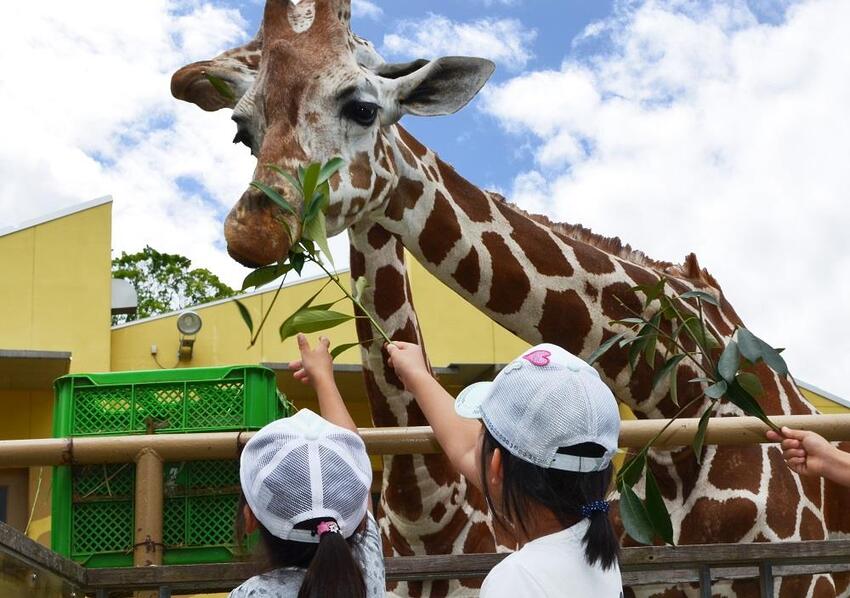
(55, 307)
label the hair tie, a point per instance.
(597, 506)
(327, 527)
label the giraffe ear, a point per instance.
(435, 88)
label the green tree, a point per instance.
(166, 282)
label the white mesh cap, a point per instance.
(304, 467)
(545, 399)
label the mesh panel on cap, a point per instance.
(341, 492)
(529, 429)
(289, 485)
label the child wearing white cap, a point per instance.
(306, 482)
(538, 442)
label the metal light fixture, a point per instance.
(188, 323)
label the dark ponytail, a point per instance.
(333, 572)
(562, 492)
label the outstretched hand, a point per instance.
(408, 361)
(805, 453)
(316, 364)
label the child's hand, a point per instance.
(315, 365)
(408, 362)
(806, 453)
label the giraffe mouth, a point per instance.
(256, 231)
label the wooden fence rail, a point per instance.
(382, 441)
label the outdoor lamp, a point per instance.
(188, 323)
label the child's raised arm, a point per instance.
(808, 453)
(458, 436)
(316, 368)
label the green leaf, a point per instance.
(291, 179)
(729, 362)
(296, 260)
(668, 309)
(773, 359)
(749, 345)
(649, 350)
(629, 321)
(740, 397)
(699, 334)
(751, 383)
(633, 468)
(652, 291)
(635, 518)
(360, 286)
(699, 438)
(310, 180)
(246, 315)
(665, 370)
(264, 275)
(330, 167)
(312, 320)
(702, 379)
(603, 348)
(273, 195)
(336, 351)
(674, 383)
(315, 231)
(701, 295)
(637, 348)
(318, 204)
(715, 391)
(221, 86)
(657, 509)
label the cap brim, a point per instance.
(469, 401)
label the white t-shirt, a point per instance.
(550, 566)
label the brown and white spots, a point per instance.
(389, 302)
(469, 198)
(441, 231)
(468, 272)
(566, 320)
(784, 497)
(509, 284)
(536, 244)
(378, 237)
(361, 171)
(711, 520)
(407, 193)
(738, 471)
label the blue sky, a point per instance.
(718, 127)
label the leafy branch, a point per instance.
(311, 183)
(675, 327)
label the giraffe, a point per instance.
(542, 280)
(425, 507)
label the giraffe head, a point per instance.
(316, 92)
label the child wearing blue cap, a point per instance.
(538, 441)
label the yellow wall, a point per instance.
(55, 295)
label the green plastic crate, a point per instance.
(93, 513)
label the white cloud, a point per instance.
(700, 129)
(504, 41)
(367, 9)
(85, 93)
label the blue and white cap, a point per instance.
(546, 399)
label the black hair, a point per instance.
(562, 492)
(332, 571)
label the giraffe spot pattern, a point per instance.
(472, 200)
(566, 320)
(509, 284)
(468, 271)
(407, 193)
(391, 297)
(783, 496)
(736, 469)
(714, 521)
(591, 259)
(378, 236)
(360, 169)
(441, 231)
(401, 492)
(811, 527)
(536, 243)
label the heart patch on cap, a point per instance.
(538, 358)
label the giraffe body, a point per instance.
(313, 98)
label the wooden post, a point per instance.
(147, 546)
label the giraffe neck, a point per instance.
(426, 506)
(547, 282)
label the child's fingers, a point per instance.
(775, 437)
(303, 344)
(796, 434)
(793, 454)
(790, 443)
(295, 365)
(325, 342)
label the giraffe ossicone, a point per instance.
(313, 97)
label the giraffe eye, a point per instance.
(363, 113)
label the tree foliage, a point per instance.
(166, 282)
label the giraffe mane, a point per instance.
(689, 269)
